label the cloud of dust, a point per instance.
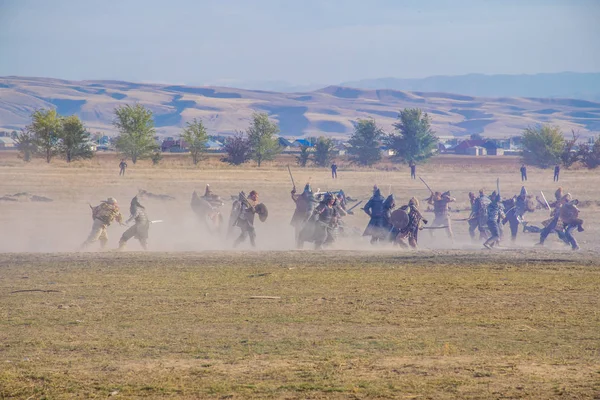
(62, 226)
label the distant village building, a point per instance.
(302, 142)
(464, 146)
(476, 151)
(493, 149)
(214, 146)
(7, 143)
(286, 145)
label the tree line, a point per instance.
(51, 134)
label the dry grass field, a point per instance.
(183, 320)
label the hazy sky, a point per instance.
(299, 41)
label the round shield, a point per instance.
(262, 212)
(399, 219)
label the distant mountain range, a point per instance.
(330, 111)
(572, 85)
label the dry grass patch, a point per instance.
(346, 324)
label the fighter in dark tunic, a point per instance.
(495, 215)
(245, 219)
(515, 208)
(478, 218)
(305, 204)
(375, 209)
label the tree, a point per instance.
(476, 136)
(74, 139)
(542, 145)
(238, 149)
(569, 156)
(26, 144)
(365, 142)
(194, 134)
(136, 126)
(413, 140)
(261, 135)
(304, 156)
(45, 128)
(590, 153)
(323, 151)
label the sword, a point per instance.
(426, 185)
(435, 227)
(545, 201)
(354, 206)
(291, 177)
(498, 185)
(157, 221)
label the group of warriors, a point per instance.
(490, 213)
(104, 214)
(319, 217)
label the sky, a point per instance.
(300, 42)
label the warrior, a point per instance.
(103, 215)
(212, 198)
(478, 217)
(388, 206)
(207, 208)
(411, 230)
(516, 207)
(305, 204)
(551, 224)
(569, 214)
(322, 224)
(246, 207)
(440, 203)
(375, 209)
(565, 210)
(341, 201)
(495, 212)
(141, 227)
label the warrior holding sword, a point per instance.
(141, 227)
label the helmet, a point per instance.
(390, 202)
(413, 202)
(307, 188)
(111, 200)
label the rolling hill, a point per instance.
(573, 85)
(329, 111)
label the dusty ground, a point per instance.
(62, 225)
(448, 321)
